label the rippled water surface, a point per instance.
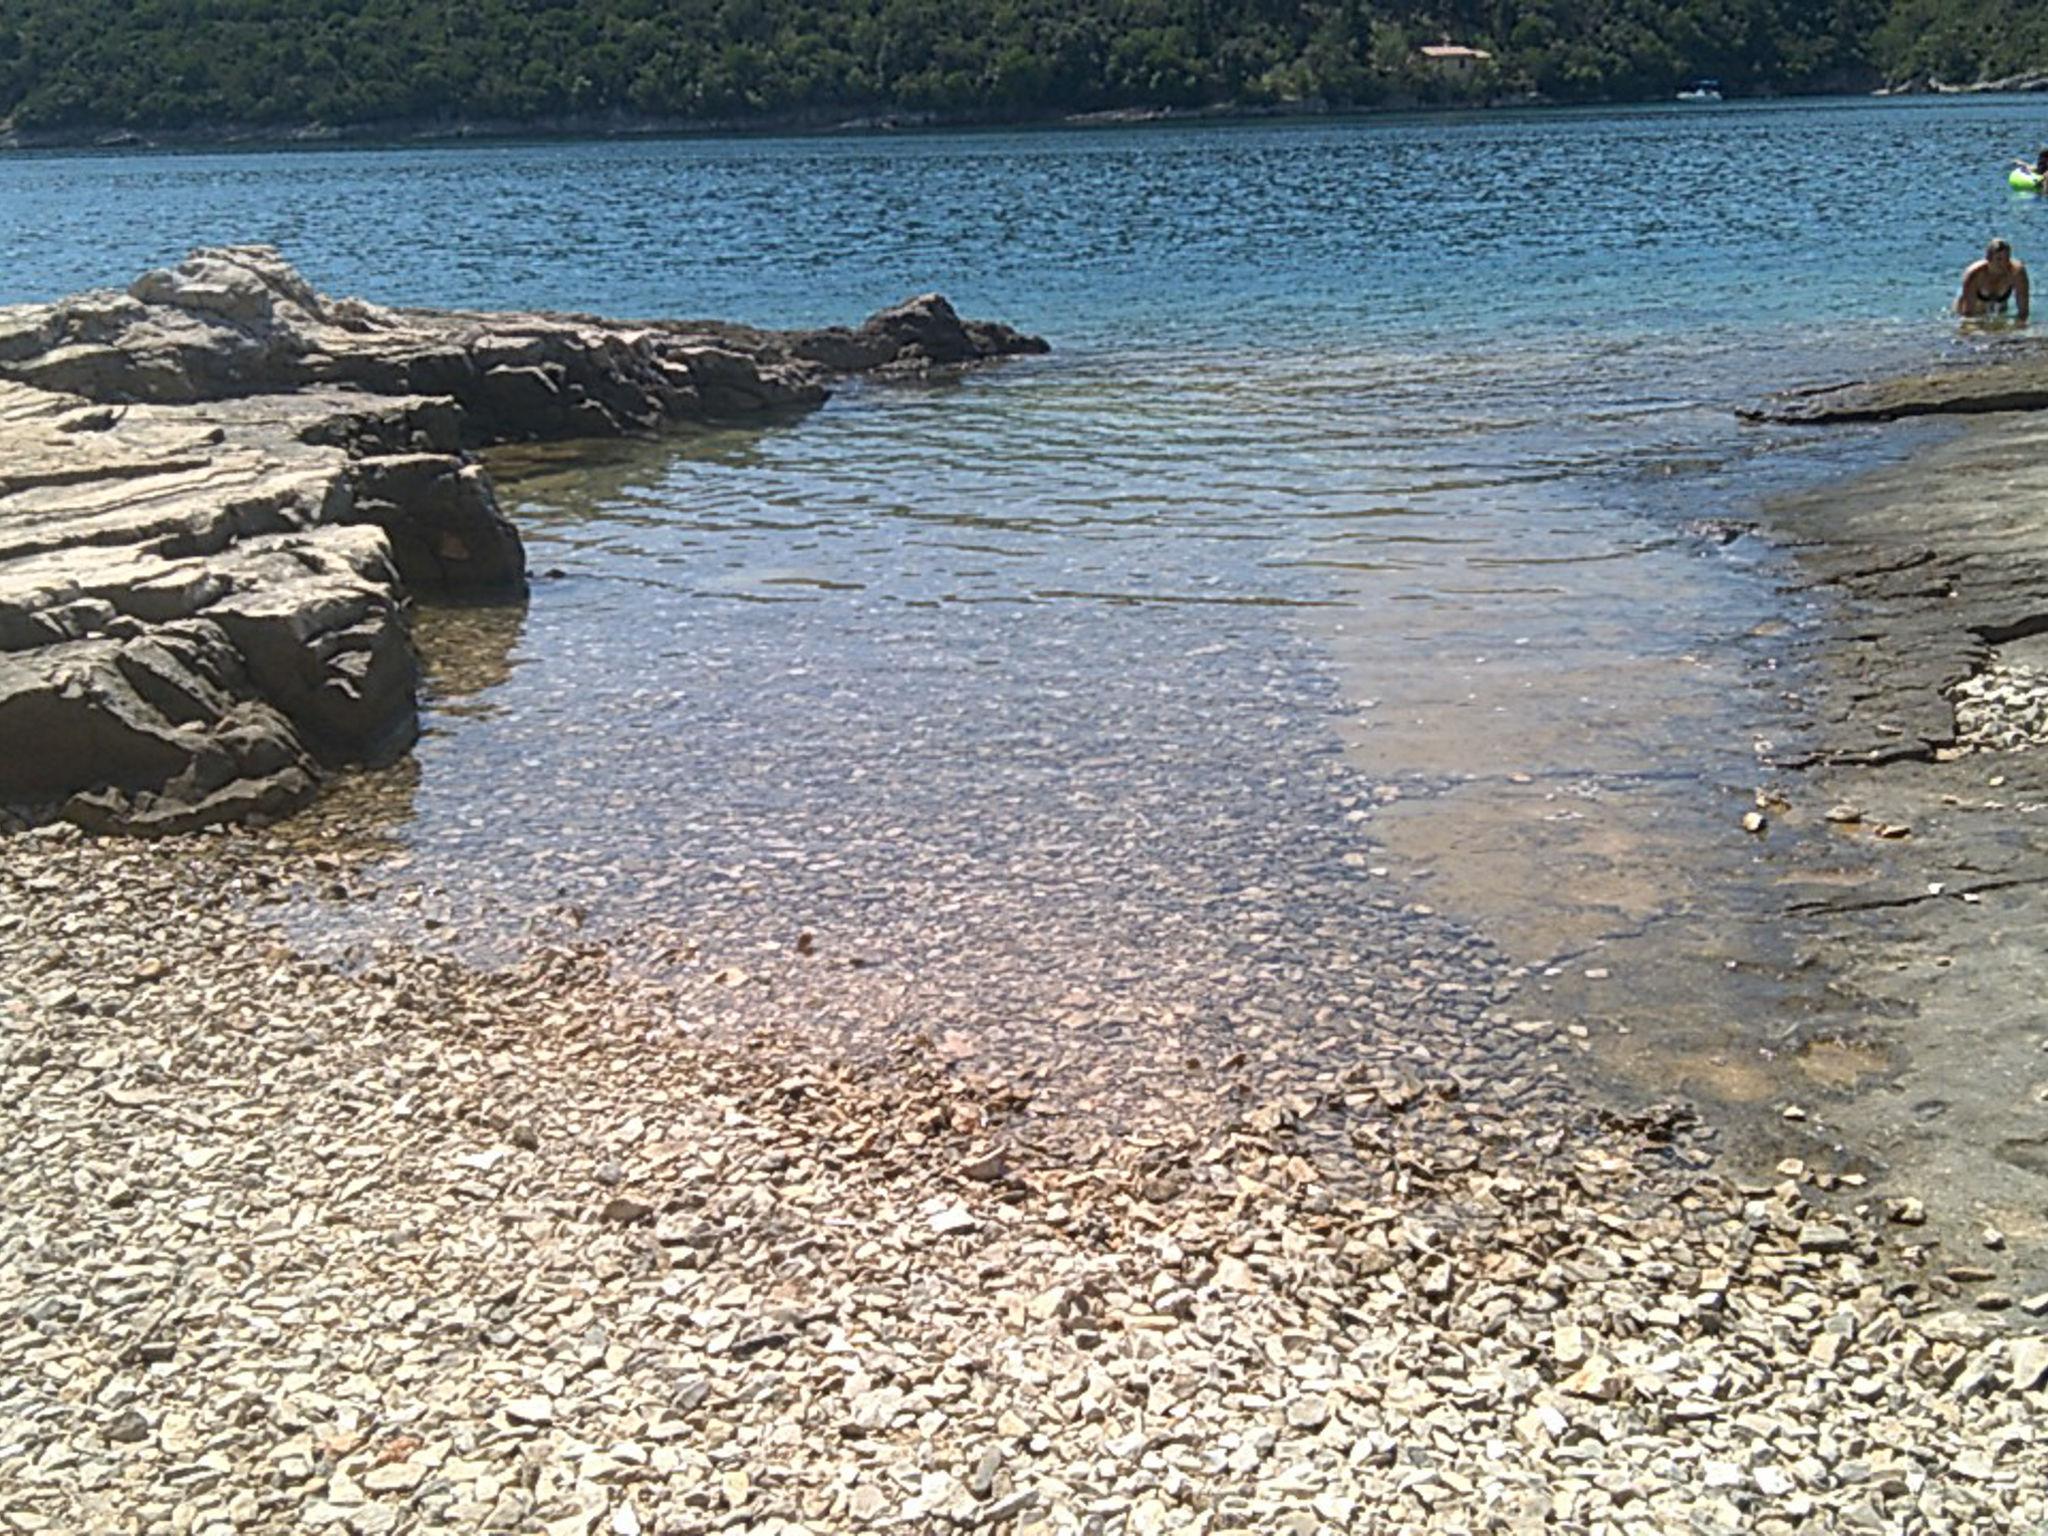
(1350, 589)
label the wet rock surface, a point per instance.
(1905, 837)
(2013, 379)
(417, 1247)
(220, 489)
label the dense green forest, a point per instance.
(96, 64)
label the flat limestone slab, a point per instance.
(2012, 383)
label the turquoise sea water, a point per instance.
(1715, 224)
(1436, 301)
(1364, 461)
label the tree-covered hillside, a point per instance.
(85, 64)
(1961, 40)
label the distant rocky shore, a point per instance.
(219, 488)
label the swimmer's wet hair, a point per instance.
(1999, 247)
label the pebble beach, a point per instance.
(410, 1247)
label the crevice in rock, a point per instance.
(2023, 628)
(1918, 898)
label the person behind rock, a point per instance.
(1991, 284)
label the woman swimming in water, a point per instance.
(1991, 284)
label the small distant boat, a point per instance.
(1701, 91)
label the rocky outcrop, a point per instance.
(219, 488)
(200, 607)
(914, 336)
(232, 323)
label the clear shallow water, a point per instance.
(1099, 686)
